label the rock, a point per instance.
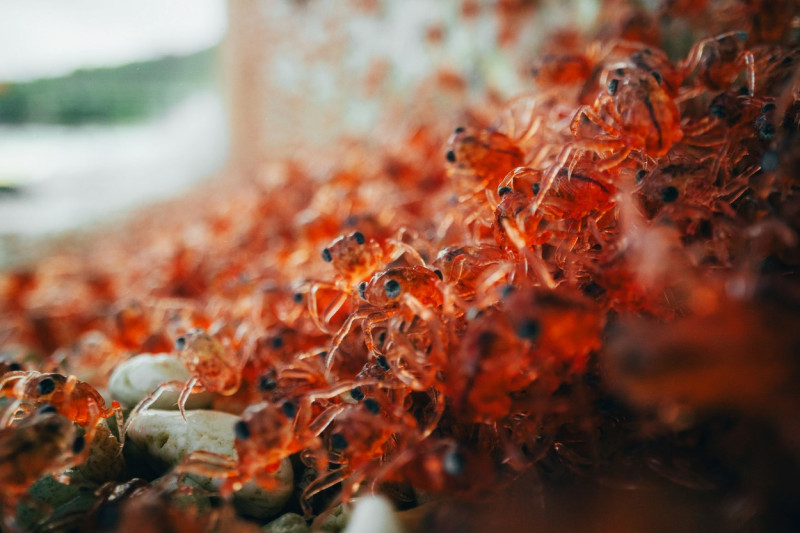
(48, 493)
(165, 438)
(288, 523)
(331, 521)
(140, 375)
(373, 514)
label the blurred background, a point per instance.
(106, 105)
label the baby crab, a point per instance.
(358, 439)
(268, 433)
(72, 398)
(210, 364)
(481, 159)
(354, 260)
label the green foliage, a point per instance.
(108, 95)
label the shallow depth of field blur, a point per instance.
(107, 105)
(104, 105)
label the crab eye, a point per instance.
(47, 409)
(46, 386)
(362, 290)
(277, 342)
(502, 191)
(180, 343)
(326, 255)
(359, 237)
(297, 297)
(612, 86)
(392, 288)
(372, 405)
(453, 463)
(338, 441)
(289, 409)
(241, 430)
(669, 194)
(266, 383)
(717, 111)
(657, 77)
(357, 394)
(529, 329)
(78, 444)
(451, 156)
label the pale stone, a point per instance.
(288, 523)
(166, 438)
(136, 378)
(373, 514)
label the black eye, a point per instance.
(506, 291)
(640, 175)
(362, 290)
(289, 409)
(357, 394)
(78, 444)
(383, 363)
(46, 386)
(669, 194)
(277, 342)
(657, 77)
(769, 161)
(459, 129)
(241, 430)
(767, 108)
(612, 87)
(502, 191)
(529, 329)
(439, 274)
(338, 441)
(326, 255)
(451, 156)
(453, 463)
(717, 110)
(372, 405)
(359, 237)
(180, 343)
(392, 288)
(47, 409)
(14, 367)
(766, 132)
(298, 297)
(266, 384)
(535, 189)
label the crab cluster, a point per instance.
(611, 260)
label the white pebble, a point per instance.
(373, 514)
(166, 438)
(142, 374)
